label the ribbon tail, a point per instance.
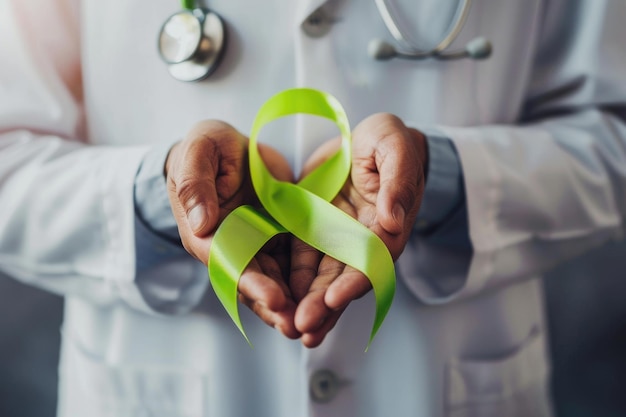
(238, 239)
(383, 282)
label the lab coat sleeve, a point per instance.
(66, 214)
(551, 187)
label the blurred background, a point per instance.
(30, 325)
(587, 317)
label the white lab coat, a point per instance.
(466, 335)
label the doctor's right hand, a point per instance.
(207, 178)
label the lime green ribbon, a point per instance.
(188, 4)
(303, 209)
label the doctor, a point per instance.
(525, 168)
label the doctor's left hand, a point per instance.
(207, 178)
(384, 192)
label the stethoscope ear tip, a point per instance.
(381, 50)
(479, 48)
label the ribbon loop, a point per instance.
(303, 209)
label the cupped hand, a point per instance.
(207, 178)
(384, 192)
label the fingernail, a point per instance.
(398, 214)
(196, 218)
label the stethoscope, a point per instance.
(192, 41)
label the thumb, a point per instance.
(202, 217)
(401, 187)
(197, 196)
(394, 203)
(191, 185)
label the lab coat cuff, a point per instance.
(152, 249)
(152, 203)
(444, 190)
(482, 205)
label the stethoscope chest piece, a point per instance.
(192, 43)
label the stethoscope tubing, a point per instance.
(455, 28)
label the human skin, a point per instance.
(384, 192)
(292, 287)
(207, 178)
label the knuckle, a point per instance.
(332, 269)
(188, 191)
(201, 147)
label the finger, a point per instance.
(276, 163)
(320, 155)
(260, 289)
(305, 261)
(279, 250)
(279, 320)
(256, 285)
(312, 310)
(271, 267)
(315, 338)
(198, 247)
(350, 285)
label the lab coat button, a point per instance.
(324, 386)
(318, 23)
